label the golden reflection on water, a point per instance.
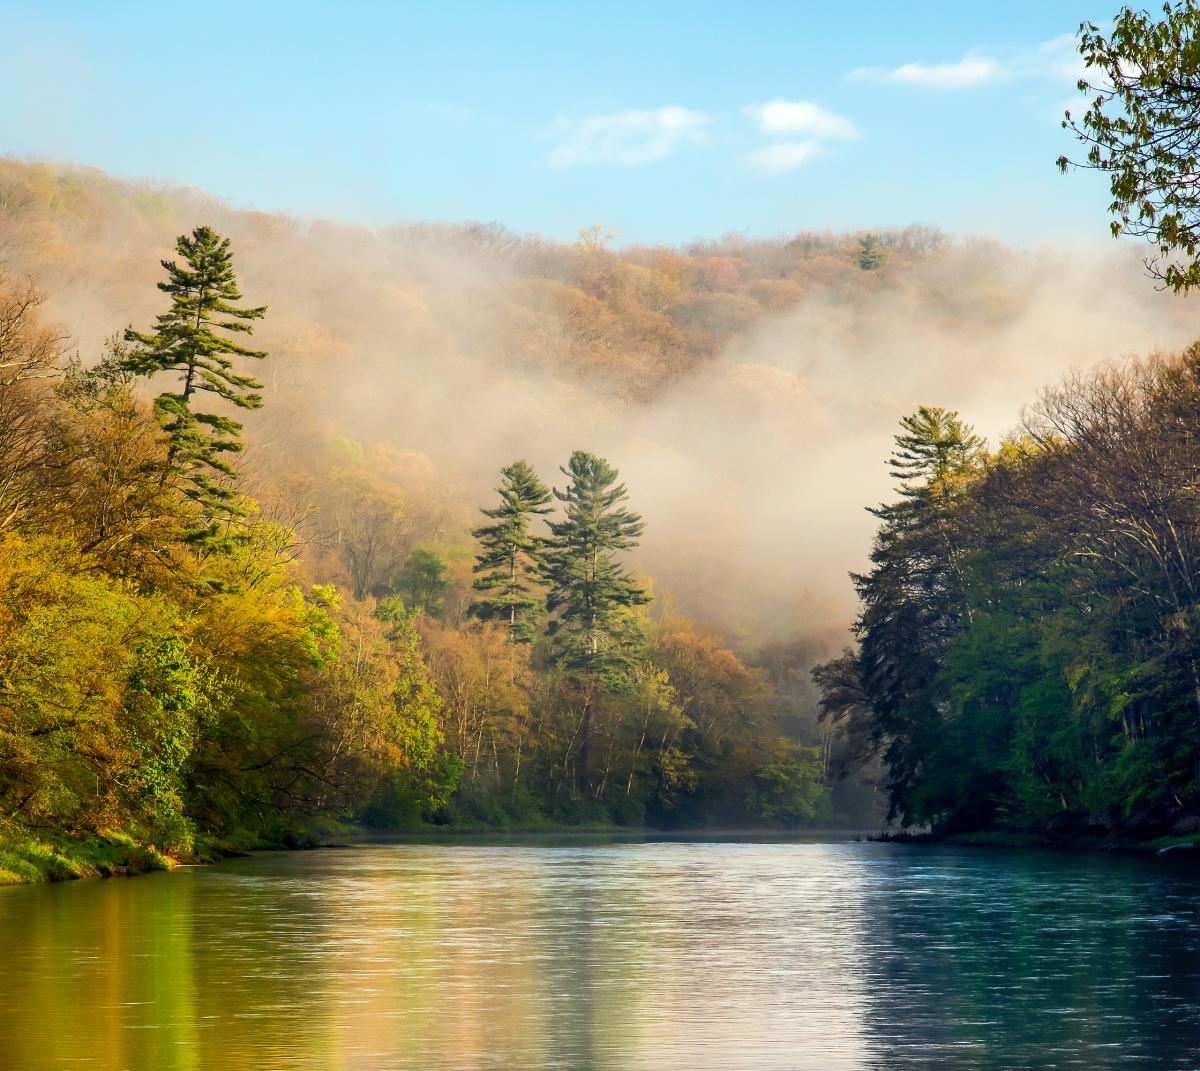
(668, 956)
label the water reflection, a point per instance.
(668, 956)
(1032, 959)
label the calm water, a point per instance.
(687, 956)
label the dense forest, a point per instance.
(354, 547)
(205, 648)
(1029, 636)
(1028, 656)
(744, 387)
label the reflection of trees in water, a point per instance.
(595, 949)
(994, 959)
(98, 975)
(673, 957)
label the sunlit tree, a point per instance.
(196, 340)
(510, 563)
(1141, 128)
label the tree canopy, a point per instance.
(1141, 127)
(1029, 649)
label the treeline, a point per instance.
(1029, 641)
(174, 673)
(410, 362)
(628, 322)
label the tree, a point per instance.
(870, 253)
(420, 773)
(28, 358)
(370, 524)
(593, 239)
(104, 473)
(510, 559)
(423, 581)
(588, 588)
(1141, 129)
(914, 598)
(594, 636)
(196, 339)
(933, 445)
(789, 789)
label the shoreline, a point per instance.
(1162, 845)
(33, 862)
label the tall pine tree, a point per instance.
(196, 338)
(510, 560)
(595, 638)
(587, 584)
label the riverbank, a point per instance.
(29, 862)
(1080, 842)
(32, 861)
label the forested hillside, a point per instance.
(745, 388)
(213, 633)
(1029, 656)
(1028, 660)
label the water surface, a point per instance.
(672, 956)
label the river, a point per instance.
(679, 956)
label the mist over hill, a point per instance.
(748, 389)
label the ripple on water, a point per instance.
(672, 956)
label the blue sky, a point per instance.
(663, 121)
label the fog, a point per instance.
(752, 467)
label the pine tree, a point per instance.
(934, 444)
(870, 253)
(510, 559)
(595, 638)
(196, 339)
(588, 586)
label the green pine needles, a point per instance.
(573, 575)
(510, 562)
(197, 340)
(588, 587)
(934, 444)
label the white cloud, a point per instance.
(1057, 59)
(783, 157)
(969, 71)
(801, 117)
(628, 139)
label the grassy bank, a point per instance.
(30, 860)
(27, 862)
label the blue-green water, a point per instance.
(672, 956)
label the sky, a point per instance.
(665, 122)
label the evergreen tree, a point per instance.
(933, 445)
(595, 638)
(510, 560)
(588, 586)
(196, 338)
(914, 598)
(870, 253)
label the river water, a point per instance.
(646, 955)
